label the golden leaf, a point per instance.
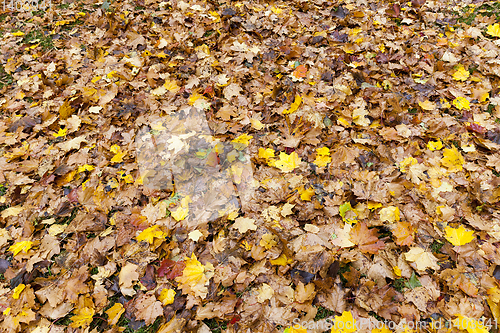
(459, 236)
(114, 313)
(461, 74)
(287, 163)
(167, 296)
(82, 318)
(452, 159)
(150, 234)
(21, 246)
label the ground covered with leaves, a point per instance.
(197, 166)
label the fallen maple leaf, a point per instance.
(243, 224)
(366, 239)
(268, 241)
(389, 214)
(452, 159)
(461, 74)
(195, 235)
(493, 30)
(167, 296)
(287, 163)
(21, 246)
(127, 276)
(300, 72)
(150, 234)
(265, 293)
(427, 105)
(422, 259)
(180, 213)
(114, 313)
(322, 157)
(119, 154)
(344, 323)
(435, 145)
(148, 309)
(82, 318)
(459, 236)
(461, 103)
(403, 233)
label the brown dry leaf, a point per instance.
(148, 308)
(366, 239)
(127, 277)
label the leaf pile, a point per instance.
(180, 166)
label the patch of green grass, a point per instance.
(64, 321)
(436, 246)
(323, 313)
(37, 36)
(63, 5)
(399, 284)
(40, 13)
(5, 80)
(215, 325)
(3, 189)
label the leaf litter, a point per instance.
(243, 166)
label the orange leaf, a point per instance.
(366, 239)
(300, 71)
(403, 233)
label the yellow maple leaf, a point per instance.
(150, 234)
(459, 236)
(180, 213)
(114, 313)
(60, 133)
(295, 105)
(21, 246)
(282, 260)
(287, 163)
(82, 318)
(427, 105)
(243, 224)
(85, 167)
(119, 154)
(18, 290)
(406, 163)
(18, 33)
(192, 273)
(435, 145)
(266, 153)
(243, 139)
(266, 292)
(256, 123)
(493, 30)
(306, 195)
(322, 160)
(397, 270)
(344, 323)
(452, 159)
(268, 241)
(171, 86)
(461, 74)
(390, 214)
(461, 103)
(194, 97)
(422, 258)
(167, 296)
